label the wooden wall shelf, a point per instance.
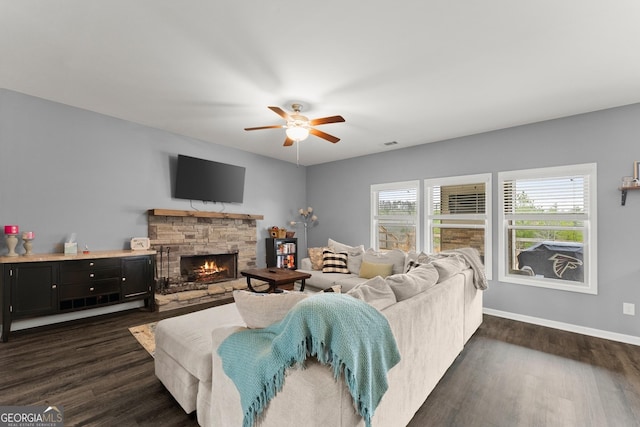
(203, 214)
(624, 193)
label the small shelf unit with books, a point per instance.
(282, 253)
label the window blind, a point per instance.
(549, 196)
(397, 202)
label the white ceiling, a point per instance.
(411, 71)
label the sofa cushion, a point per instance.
(394, 256)
(315, 255)
(259, 310)
(449, 265)
(417, 280)
(187, 338)
(341, 247)
(334, 262)
(376, 292)
(369, 270)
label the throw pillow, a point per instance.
(414, 259)
(449, 266)
(341, 247)
(394, 256)
(375, 292)
(354, 254)
(354, 260)
(260, 310)
(414, 282)
(315, 255)
(334, 262)
(369, 270)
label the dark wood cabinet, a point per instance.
(52, 284)
(33, 289)
(282, 253)
(137, 277)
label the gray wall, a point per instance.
(63, 170)
(340, 193)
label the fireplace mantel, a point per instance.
(203, 214)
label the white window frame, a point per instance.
(589, 218)
(375, 218)
(430, 217)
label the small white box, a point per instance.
(140, 243)
(71, 248)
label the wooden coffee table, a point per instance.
(275, 277)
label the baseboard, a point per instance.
(34, 322)
(598, 333)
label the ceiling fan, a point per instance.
(298, 127)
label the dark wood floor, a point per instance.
(510, 374)
(516, 374)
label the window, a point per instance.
(458, 215)
(395, 214)
(548, 224)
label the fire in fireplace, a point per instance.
(211, 268)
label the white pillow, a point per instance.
(375, 292)
(417, 280)
(449, 266)
(354, 260)
(394, 256)
(259, 310)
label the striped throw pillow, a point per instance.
(334, 262)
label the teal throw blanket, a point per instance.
(337, 329)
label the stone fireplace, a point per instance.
(195, 248)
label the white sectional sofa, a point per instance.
(430, 328)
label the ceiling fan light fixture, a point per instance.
(297, 132)
(298, 127)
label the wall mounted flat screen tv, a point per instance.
(200, 179)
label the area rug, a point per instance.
(145, 334)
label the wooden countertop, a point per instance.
(62, 257)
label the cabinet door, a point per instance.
(136, 277)
(34, 288)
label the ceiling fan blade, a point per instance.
(266, 127)
(323, 135)
(288, 142)
(325, 120)
(279, 111)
